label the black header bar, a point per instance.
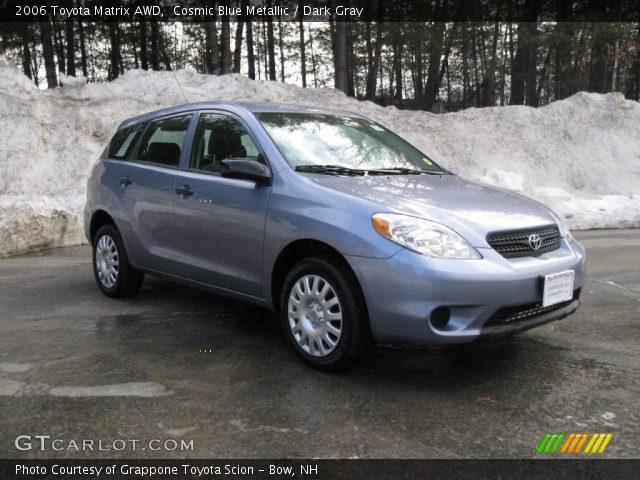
(315, 10)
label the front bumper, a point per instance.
(405, 292)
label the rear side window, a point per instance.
(163, 140)
(122, 142)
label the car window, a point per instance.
(219, 137)
(163, 140)
(122, 142)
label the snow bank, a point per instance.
(580, 156)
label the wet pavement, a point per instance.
(178, 364)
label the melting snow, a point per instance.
(579, 156)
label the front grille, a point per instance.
(518, 313)
(516, 243)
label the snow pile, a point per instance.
(580, 156)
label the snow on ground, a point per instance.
(580, 156)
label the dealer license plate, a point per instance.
(558, 288)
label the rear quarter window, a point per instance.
(122, 142)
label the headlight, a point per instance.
(423, 236)
(564, 230)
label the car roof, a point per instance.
(250, 107)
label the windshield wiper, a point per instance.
(329, 170)
(404, 171)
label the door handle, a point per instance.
(185, 191)
(125, 181)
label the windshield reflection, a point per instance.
(324, 139)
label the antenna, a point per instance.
(179, 86)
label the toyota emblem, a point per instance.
(535, 242)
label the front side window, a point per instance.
(163, 141)
(219, 137)
(318, 139)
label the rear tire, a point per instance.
(323, 314)
(113, 272)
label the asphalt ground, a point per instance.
(216, 379)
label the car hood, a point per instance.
(471, 209)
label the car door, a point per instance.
(219, 222)
(146, 192)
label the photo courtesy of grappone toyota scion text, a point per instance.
(346, 230)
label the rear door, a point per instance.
(145, 194)
(219, 222)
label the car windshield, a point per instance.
(328, 143)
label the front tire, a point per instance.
(114, 275)
(323, 314)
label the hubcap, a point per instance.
(315, 315)
(107, 261)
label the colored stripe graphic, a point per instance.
(581, 442)
(573, 443)
(543, 443)
(605, 443)
(550, 443)
(565, 447)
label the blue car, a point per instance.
(344, 229)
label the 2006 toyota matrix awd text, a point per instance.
(347, 231)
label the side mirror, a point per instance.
(246, 170)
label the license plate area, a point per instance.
(557, 288)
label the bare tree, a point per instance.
(250, 54)
(211, 48)
(237, 52)
(303, 60)
(225, 45)
(144, 56)
(340, 56)
(71, 49)
(48, 53)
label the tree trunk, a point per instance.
(476, 72)
(281, 48)
(48, 53)
(351, 74)
(250, 55)
(165, 54)
(83, 50)
(433, 72)
(59, 46)
(265, 50)
(518, 67)
(374, 63)
(303, 60)
(564, 85)
(397, 61)
(114, 67)
(237, 51)
(489, 92)
(632, 80)
(532, 64)
(35, 65)
(418, 69)
(225, 45)
(271, 48)
(71, 49)
(340, 60)
(155, 59)
(313, 59)
(26, 52)
(211, 48)
(144, 56)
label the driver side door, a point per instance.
(219, 222)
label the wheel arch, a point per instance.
(99, 219)
(297, 251)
